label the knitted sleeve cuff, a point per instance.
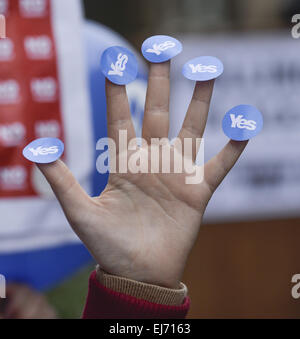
(151, 293)
(105, 303)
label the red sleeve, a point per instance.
(104, 303)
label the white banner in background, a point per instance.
(264, 71)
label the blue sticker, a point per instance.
(161, 48)
(119, 65)
(44, 150)
(242, 122)
(203, 68)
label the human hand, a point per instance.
(143, 226)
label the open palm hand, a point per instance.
(143, 226)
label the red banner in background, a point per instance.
(29, 90)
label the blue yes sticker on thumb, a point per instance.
(44, 150)
(161, 48)
(203, 68)
(119, 65)
(242, 122)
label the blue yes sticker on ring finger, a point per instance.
(161, 48)
(242, 122)
(119, 65)
(203, 68)
(44, 150)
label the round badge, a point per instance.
(242, 122)
(161, 48)
(203, 68)
(119, 65)
(44, 150)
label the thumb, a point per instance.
(68, 191)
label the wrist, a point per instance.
(140, 290)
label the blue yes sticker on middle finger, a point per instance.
(119, 65)
(44, 150)
(242, 122)
(203, 68)
(161, 48)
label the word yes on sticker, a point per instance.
(119, 66)
(44, 150)
(240, 122)
(202, 68)
(161, 48)
(158, 49)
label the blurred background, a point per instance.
(136, 19)
(248, 250)
(248, 247)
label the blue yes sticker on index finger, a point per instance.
(242, 122)
(119, 65)
(44, 150)
(203, 68)
(161, 48)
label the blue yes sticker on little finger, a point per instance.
(242, 122)
(203, 68)
(161, 48)
(44, 150)
(119, 65)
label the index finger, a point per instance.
(118, 112)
